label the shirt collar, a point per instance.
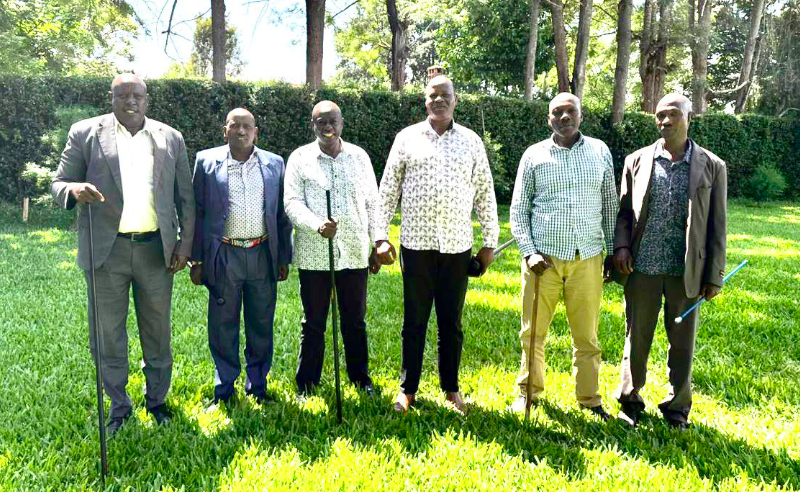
(577, 144)
(252, 157)
(319, 153)
(148, 127)
(661, 152)
(429, 128)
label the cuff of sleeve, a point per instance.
(526, 250)
(490, 244)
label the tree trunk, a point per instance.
(530, 59)
(399, 46)
(745, 76)
(700, 26)
(560, 35)
(218, 40)
(315, 36)
(653, 51)
(582, 48)
(624, 10)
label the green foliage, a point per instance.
(745, 433)
(64, 37)
(765, 184)
(37, 111)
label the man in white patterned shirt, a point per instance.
(441, 171)
(331, 164)
(242, 249)
(562, 216)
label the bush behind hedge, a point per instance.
(29, 106)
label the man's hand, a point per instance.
(374, 262)
(196, 273)
(608, 268)
(328, 229)
(486, 258)
(538, 263)
(283, 272)
(709, 291)
(386, 252)
(85, 193)
(178, 263)
(623, 261)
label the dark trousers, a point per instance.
(246, 281)
(351, 296)
(138, 265)
(432, 277)
(643, 294)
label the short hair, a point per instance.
(567, 95)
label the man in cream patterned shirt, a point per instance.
(330, 163)
(441, 171)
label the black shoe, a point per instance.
(161, 414)
(678, 424)
(630, 414)
(115, 423)
(600, 412)
(262, 398)
(367, 388)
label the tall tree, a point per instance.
(218, 40)
(399, 28)
(700, 27)
(746, 75)
(560, 35)
(582, 48)
(624, 9)
(201, 60)
(653, 51)
(530, 58)
(315, 36)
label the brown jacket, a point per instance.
(706, 227)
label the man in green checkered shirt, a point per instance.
(562, 217)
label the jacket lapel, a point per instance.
(159, 154)
(221, 170)
(643, 177)
(696, 169)
(107, 135)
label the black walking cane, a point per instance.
(532, 347)
(98, 342)
(335, 315)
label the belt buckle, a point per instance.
(248, 243)
(134, 237)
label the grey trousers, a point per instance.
(643, 295)
(139, 265)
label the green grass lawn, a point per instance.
(746, 416)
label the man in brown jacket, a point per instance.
(669, 242)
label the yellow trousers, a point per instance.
(581, 282)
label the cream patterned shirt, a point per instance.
(136, 171)
(354, 205)
(245, 198)
(439, 181)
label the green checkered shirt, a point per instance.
(565, 200)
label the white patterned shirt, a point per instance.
(439, 181)
(354, 205)
(245, 198)
(565, 200)
(136, 163)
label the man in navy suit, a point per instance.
(242, 248)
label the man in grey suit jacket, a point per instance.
(134, 172)
(669, 241)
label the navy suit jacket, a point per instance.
(210, 183)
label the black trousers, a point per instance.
(351, 296)
(432, 277)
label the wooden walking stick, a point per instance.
(532, 347)
(98, 342)
(334, 321)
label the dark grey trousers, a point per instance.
(643, 295)
(245, 281)
(139, 265)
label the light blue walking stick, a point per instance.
(683, 316)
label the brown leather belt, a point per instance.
(139, 237)
(245, 243)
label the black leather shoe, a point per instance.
(161, 414)
(600, 412)
(262, 398)
(678, 424)
(630, 414)
(115, 423)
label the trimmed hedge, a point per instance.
(372, 119)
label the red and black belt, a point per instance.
(245, 243)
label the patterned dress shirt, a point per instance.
(245, 199)
(354, 205)
(663, 247)
(441, 179)
(565, 200)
